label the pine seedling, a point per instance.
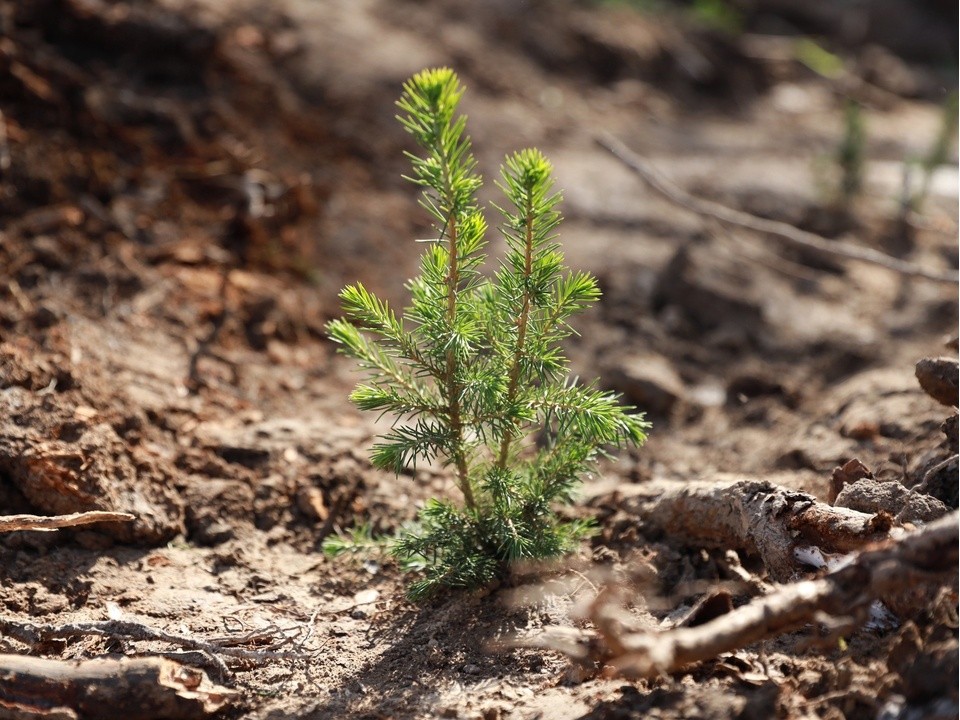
(472, 372)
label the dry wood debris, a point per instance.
(11, 523)
(32, 687)
(755, 516)
(782, 231)
(271, 640)
(840, 601)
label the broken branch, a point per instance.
(43, 523)
(33, 635)
(105, 688)
(757, 517)
(774, 228)
(924, 558)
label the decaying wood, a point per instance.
(926, 558)
(757, 517)
(105, 688)
(11, 523)
(773, 228)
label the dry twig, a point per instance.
(203, 348)
(774, 228)
(106, 688)
(11, 523)
(33, 635)
(924, 558)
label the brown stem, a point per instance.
(453, 388)
(9, 523)
(521, 336)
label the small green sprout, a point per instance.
(851, 152)
(939, 152)
(359, 540)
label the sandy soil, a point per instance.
(186, 186)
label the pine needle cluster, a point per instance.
(473, 371)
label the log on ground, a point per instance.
(107, 689)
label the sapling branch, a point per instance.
(521, 329)
(474, 367)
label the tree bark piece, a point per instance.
(781, 230)
(755, 516)
(107, 689)
(11, 523)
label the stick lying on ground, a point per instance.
(11, 523)
(754, 516)
(107, 689)
(777, 229)
(927, 557)
(32, 635)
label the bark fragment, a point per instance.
(758, 517)
(107, 689)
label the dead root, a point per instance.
(756, 517)
(781, 231)
(272, 644)
(839, 601)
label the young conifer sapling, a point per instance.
(473, 370)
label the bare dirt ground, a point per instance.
(185, 187)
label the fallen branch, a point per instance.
(43, 523)
(33, 635)
(777, 229)
(754, 516)
(107, 689)
(924, 559)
